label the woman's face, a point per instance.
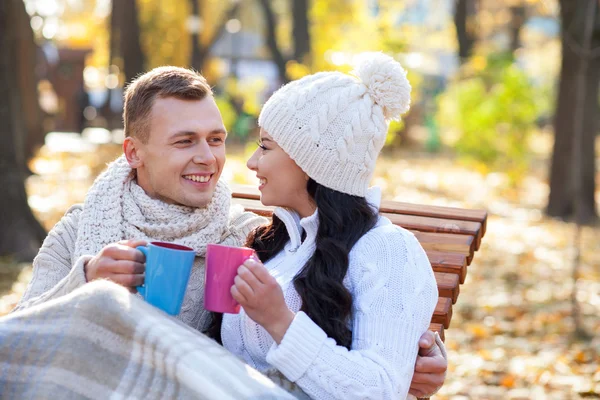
(282, 182)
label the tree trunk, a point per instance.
(20, 233)
(197, 57)
(518, 16)
(199, 52)
(561, 201)
(125, 51)
(116, 14)
(133, 57)
(464, 20)
(125, 38)
(28, 80)
(271, 38)
(301, 31)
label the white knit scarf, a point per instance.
(116, 208)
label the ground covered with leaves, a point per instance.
(511, 335)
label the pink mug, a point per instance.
(222, 263)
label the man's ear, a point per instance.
(131, 149)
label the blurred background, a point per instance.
(504, 117)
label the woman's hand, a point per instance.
(262, 298)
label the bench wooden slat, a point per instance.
(439, 328)
(448, 285)
(443, 312)
(245, 192)
(447, 242)
(437, 225)
(448, 262)
(399, 207)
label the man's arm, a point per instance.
(242, 223)
(430, 367)
(54, 274)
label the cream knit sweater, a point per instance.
(394, 296)
(56, 270)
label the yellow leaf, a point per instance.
(508, 381)
(478, 330)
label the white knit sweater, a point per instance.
(394, 295)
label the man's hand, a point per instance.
(430, 368)
(119, 262)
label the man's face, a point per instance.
(183, 158)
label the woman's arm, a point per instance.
(394, 293)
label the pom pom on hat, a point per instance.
(386, 82)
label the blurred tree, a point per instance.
(197, 58)
(497, 26)
(125, 48)
(576, 104)
(517, 21)
(465, 12)
(341, 28)
(165, 32)
(201, 48)
(492, 114)
(271, 38)
(20, 233)
(28, 60)
(301, 32)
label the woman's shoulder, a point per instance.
(388, 262)
(385, 235)
(388, 250)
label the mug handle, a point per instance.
(142, 289)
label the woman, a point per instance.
(340, 296)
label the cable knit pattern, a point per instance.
(58, 268)
(333, 125)
(394, 295)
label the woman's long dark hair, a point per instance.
(343, 220)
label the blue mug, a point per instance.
(168, 268)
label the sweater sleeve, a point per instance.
(54, 273)
(394, 296)
(243, 222)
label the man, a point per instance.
(165, 187)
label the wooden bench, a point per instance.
(450, 237)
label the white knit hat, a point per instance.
(333, 125)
